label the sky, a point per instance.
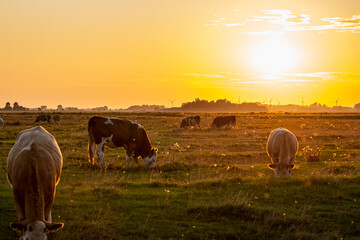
(87, 53)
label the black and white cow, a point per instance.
(1, 123)
(190, 121)
(113, 133)
(224, 121)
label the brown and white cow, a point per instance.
(224, 121)
(56, 118)
(282, 147)
(43, 118)
(113, 133)
(1, 123)
(190, 121)
(33, 170)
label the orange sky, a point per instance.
(122, 53)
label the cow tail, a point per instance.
(91, 138)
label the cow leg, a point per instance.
(49, 217)
(20, 207)
(127, 160)
(92, 150)
(100, 152)
(48, 206)
(129, 152)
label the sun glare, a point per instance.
(274, 56)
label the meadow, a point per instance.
(209, 184)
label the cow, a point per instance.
(56, 118)
(43, 118)
(1, 123)
(190, 121)
(33, 170)
(224, 121)
(282, 147)
(113, 133)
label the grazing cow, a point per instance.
(1, 123)
(190, 121)
(33, 171)
(224, 121)
(56, 118)
(282, 147)
(113, 133)
(43, 118)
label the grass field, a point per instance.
(209, 184)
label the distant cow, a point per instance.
(113, 133)
(1, 123)
(282, 147)
(33, 170)
(224, 121)
(43, 118)
(190, 121)
(56, 118)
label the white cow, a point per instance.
(33, 169)
(282, 147)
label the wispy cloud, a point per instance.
(231, 79)
(287, 21)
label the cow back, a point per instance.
(282, 146)
(35, 150)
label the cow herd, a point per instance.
(218, 122)
(35, 161)
(47, 118)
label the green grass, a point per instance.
(210, 184)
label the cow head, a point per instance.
(36, 230)
(281, 169)
(150, 160)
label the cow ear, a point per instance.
(17, 226)
(52, 227)
(272, 165)
(291, 166)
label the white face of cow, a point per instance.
(282, 170)
(150, 161)
(36, 230)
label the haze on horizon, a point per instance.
(122, 53)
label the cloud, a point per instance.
(232, 79)
(287, 21)
(283, 17)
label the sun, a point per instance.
(274, 55)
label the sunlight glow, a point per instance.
(274, 56)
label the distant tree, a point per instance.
(357, 107)
(222, 105)
(60, 108)
(315, 104)
(43, 108)
(7, 106)
(16, 106)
